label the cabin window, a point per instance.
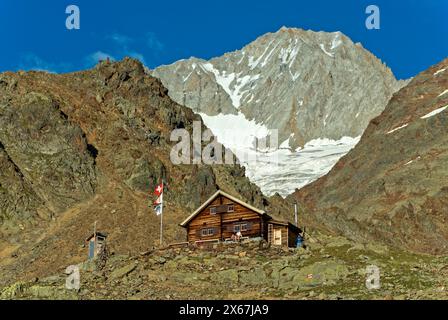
(208, 232)
(240, 227)
(212, 210)
(230, 208)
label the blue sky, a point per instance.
(413, 34)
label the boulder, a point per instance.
(121, 272)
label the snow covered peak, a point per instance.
(301, 82)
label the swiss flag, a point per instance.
(159, 200)
(159, 190)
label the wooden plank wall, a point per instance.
(284, 230)
(285, 236)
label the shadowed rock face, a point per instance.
(18, 199)
(91, 146)
(393, 186)
(309, 84)
(47, 151)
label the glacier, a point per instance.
(281, 171)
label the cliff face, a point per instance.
(306, 84)
(91, 146)
(393, 186)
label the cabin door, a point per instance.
(278, 237)
(91, 249)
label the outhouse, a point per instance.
(96, 242)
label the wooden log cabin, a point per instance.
(223, 215)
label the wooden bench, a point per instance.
(231, 240)
(207, 241)
(178, 245)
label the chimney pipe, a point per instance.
(295, 214)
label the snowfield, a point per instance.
(439, 71)
(435, 112)
(225, 80)
(399, 128)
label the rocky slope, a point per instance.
(330, 268)
(321, 84)
(91, 146)
(393, 186)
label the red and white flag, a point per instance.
(158, 204)
(159, 200)
(159, 190)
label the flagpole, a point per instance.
(161, 218)
(94, 238)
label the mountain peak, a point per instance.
(279, 66)
(127, 64)
(290, 30)
(293, 30)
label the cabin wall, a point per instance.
(205, 220)
(286, 240)
(284, 236)
(241, 215)
(223, 223)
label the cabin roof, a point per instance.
(99, 234)
(284, 223)
(213, 197)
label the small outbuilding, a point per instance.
(96, 242)
(281, 233)
(223, 216)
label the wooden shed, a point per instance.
(282, 233)
(223, 215)
(96, 241)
